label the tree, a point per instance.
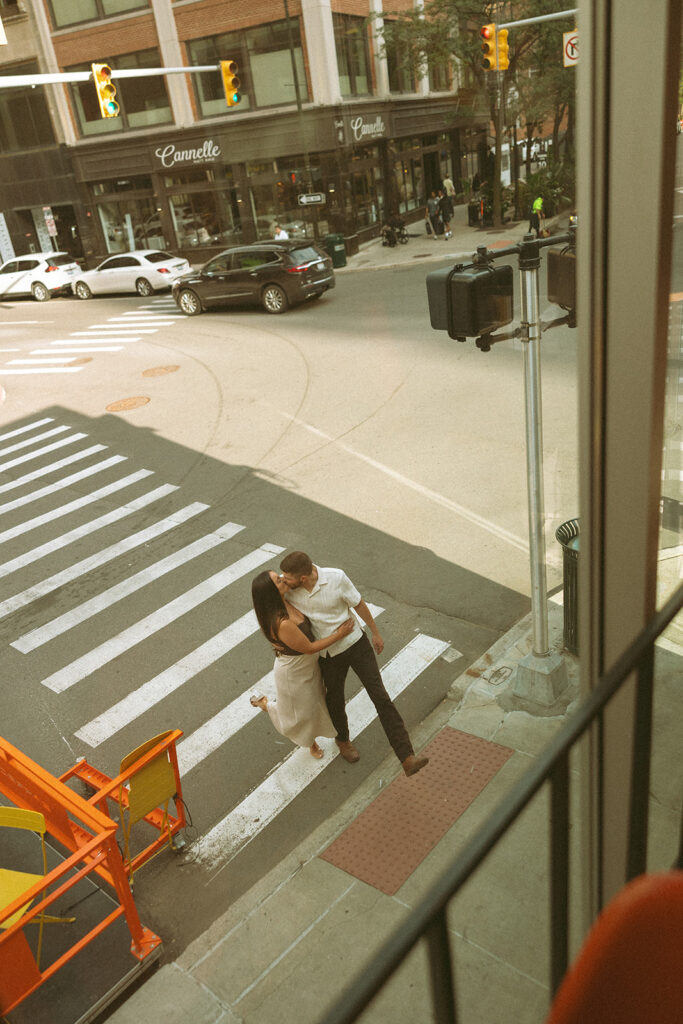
(448, 32)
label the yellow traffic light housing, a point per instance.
(503, 50)
(488, 47)
(105, 89)
(231, 83)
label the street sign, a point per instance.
(570, 48)
(49, 221)
(312, 199)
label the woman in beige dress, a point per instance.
(300, 711)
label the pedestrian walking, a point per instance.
(537, 218)
(446, 213)
(432, 214)
(280, 234)
(326, 596)
(299, 712)
(449, 187)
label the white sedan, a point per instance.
(143, 271)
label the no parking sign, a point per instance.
(570, 48)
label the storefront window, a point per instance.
(206, 218)
(264, 60)
(131, 224)
(353, 58)
(143, 101)
(71, 12)
(24, 116)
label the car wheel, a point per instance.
(189, 302)
(143, 287)
(274, 299)
(82, 291)
(40, 292)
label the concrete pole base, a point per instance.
(541, 678)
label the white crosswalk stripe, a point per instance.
(58, 485)
(299, 769)
(201, 563)
(126, 329)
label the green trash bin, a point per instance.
(336, 249)
(568, 535)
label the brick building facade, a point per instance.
(323, 111)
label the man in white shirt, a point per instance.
(280, 233)
(325, 596)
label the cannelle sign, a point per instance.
(171, 155)
(362, 129)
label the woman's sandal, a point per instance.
(316, 751)
(259, 702)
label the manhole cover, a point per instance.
(127, 403)
(159, 371)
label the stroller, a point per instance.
(393, 231)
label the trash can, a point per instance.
(568, 536)
(336, 249)
(473, 214)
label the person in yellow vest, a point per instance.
(537, 219)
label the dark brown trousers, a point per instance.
(361, 658)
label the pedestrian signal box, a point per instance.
(562, 277)
(470, 301)
(231, 83)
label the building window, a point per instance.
(143, 101)
(73, 12)
(401, 78)
(439, 76)
(24, 115)
(353, 56)
(264, 59)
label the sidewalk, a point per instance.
(424, 248)
(292, 944)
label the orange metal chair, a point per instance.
(630, 968)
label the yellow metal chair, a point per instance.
(149, 788)
(14, 883)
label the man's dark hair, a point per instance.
(297, 563)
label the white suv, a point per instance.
(40, 274)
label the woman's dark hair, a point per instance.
(268, 605)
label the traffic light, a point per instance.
(106, 91)
(231, 82)
(503, 50)
(488, 47)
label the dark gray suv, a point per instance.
(275, 275)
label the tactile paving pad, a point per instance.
(395, 833)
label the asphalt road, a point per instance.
(347, 428)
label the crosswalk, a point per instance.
(82, 616)
(65, 354)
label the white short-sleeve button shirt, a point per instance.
(328, 605)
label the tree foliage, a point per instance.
(535, 90)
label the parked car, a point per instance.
(275, 275)
(41, 274)
(143, 271)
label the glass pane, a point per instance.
(24, 116)
(130, 225)
(670, 565)
(119, 6)
(144, 101)
(70, 12)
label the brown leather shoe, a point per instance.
(412, 764)
(348, 751)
